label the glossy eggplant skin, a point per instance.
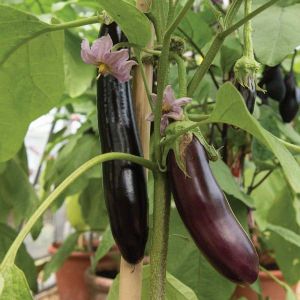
(209, 219)
(124, 182)
(274, 83)
(289, 106)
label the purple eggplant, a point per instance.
(209, 218)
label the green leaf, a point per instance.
(175, 290)
(106, 242)
(275, 33)
(21, 200)
(285, 233)
(78, 150)
(93, 205)
(31, 75)
(191, 267)
(61, 255)
(23, 260)
(227, 183)
(128, 16)
(274, 205)
(78, 75)
(13, 284)
(195, 30)
(231, 109)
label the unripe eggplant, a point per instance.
(209, 218)
(289, 106)
(123, 182)
(274, 82)
(249, 95)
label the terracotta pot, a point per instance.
(269, 288)
(70, 277)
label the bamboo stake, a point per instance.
(131, 276)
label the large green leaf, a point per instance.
(23, 260)
(78, 76)
(13, 284)
(275, 33)
(134, 23)
(227, 182)
(231, 109)
(175, 290)
(31, 75)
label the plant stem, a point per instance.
(205, 65)
(76, 23)
(181, 74)
(231, 13)
(248, 46)
(179, 17)
(12, 252)
(159, 244)
(145, 81)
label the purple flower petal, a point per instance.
(86, 53)
(163, 125)
(101, 47)
(182, 101)
(174, 115)
(116, 58)
(169, 96)
(122, 73)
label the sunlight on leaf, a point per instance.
(13, 284)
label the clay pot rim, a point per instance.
(276, 273)
(53, 248)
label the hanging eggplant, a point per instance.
(124, 182)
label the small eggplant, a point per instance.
(249, 95)
(289, 106)
(209, 218)
(274, 82)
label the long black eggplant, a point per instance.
(124, 182)
(209, 218)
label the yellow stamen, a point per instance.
(103, 69)
(166, 107)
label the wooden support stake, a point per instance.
(131, 276)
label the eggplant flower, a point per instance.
(171, 108)
(115, 63)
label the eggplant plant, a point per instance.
(224, 157)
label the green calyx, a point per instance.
(179, 144)
(245, 70)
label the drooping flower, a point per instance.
(171, 108)
(115, 63)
